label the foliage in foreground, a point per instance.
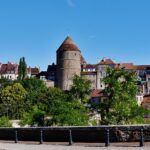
(54, 110)
(4, 122)
(121, 106)
(37, 105)
(34, 118)
(80, 89)
(13, 100)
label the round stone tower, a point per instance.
(68, 63)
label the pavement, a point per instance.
(81, 146)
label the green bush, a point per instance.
(4, 122)
(33, 118)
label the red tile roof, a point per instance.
(106, 62)
(9, 68)
(33, 71)
(68, 45)
(127, 66)
(142, 67)
(89, 66)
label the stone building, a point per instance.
(88, 71)
(101, 71)
(70, 62)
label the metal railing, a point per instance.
(122, 133)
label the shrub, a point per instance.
(4, 122)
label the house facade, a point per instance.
(10, 71)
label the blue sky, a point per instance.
(117, 29)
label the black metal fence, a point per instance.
(101, 134)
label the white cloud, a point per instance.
(70, 3)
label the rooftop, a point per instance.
(106, 61)
(68, 45)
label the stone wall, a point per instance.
(68, 64)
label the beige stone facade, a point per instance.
(68, 63)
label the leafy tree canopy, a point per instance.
(13, 97)
(4, 82)
(34, 117)
(121, 106)
(4, 122)
(80, 89)
(35, 88)
(59, 111)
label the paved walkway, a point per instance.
(30, 146)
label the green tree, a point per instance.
(35, 88)
(5, 82)
(53, 104)
(13, 100)
(69, 114)
(80, 89)
(33, 117)
(62, 111)
(4, 122)
(121, 106)
(22, 69)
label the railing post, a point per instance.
(41, 136)
(16, 136)
(107, 141)
(141, 138)
(70, 137)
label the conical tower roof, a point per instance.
(68, 45)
